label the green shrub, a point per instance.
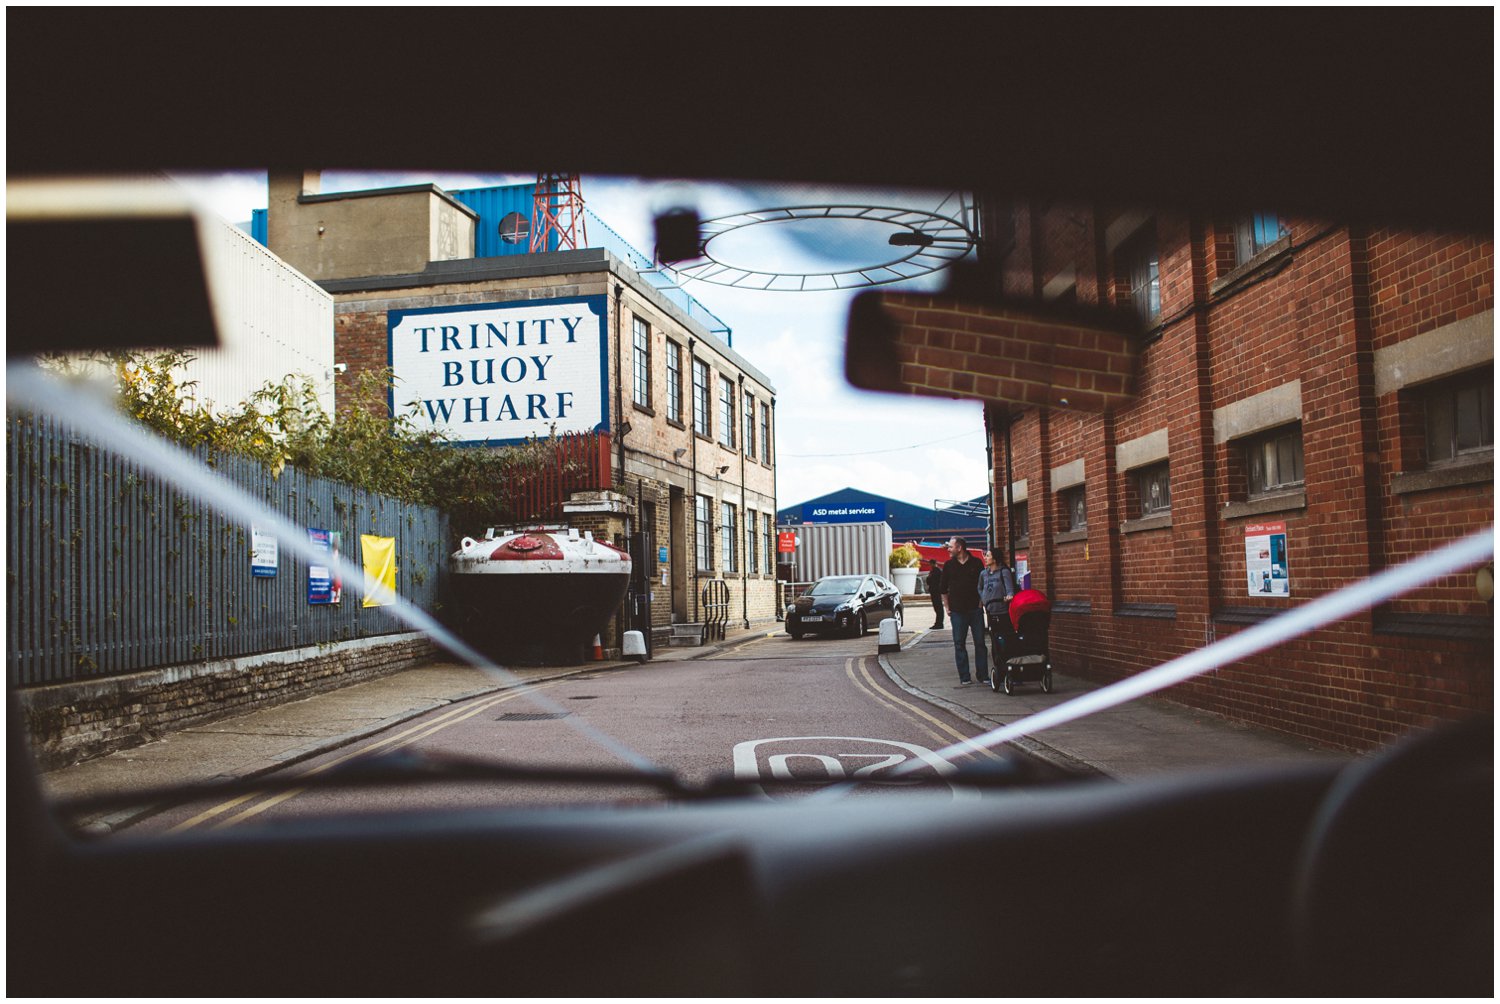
(905, 556)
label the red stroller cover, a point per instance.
(1026, 601)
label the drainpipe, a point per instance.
(693, 430)
(744, 512)
(775, 516)
(1010, 503)
(619, 388)
(992, 537)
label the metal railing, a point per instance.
(715, 609)
(111, 571)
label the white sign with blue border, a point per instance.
(495, 373)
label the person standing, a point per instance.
(935, 590)
(965, 614)
(997, 585)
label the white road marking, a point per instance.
(747, 765)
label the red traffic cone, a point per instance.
(598, 649)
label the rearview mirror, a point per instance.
(1016, 352)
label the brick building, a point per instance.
(687, 425)
(1313, 405)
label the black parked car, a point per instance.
(847, 604)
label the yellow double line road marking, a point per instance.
(932, 725)
(414, 734)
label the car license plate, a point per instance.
(813, 618)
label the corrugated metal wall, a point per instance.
(493, 205)
(110, 571)
(274, 322)
(840, 549)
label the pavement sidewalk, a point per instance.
(1145, 737)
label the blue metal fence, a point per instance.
(109, 570)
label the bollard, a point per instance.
(634, 646)
(890, 636)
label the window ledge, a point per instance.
(1151, 611)
(644, 409)
(706, 439)
(1023, 543)
(1068, 536)
(1457, 626)
(1073, 607)
(1479, 469)
(1267, 255)
(1282, 502)
(675, 424)
(1147, 523)
(1245, 615)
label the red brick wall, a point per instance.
(1315, 313)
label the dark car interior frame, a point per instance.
(1374, 878)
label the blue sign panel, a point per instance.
(840, 512)
(324, 585)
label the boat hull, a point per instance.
(536, 598)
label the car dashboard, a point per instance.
(1254, 882)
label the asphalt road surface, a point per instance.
(810, 712)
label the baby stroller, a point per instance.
(1027, 659)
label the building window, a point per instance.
(730, 530)
(749, 424)
(642, 363)
(770, 542)
(1273, 462)
(674, 381)
(1020, 529)
(700, 397)
(1139, 269)
(1254, 233)
(1460, 417)
(703, 532)
(726, 412)
(1152, 489)
(752, 551)
(1075, 512)
(765, 433)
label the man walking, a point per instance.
(965, 613)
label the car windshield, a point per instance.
(500, 488)
(146, 564)
(835, 587)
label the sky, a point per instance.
(830, 436)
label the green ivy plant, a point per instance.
(366, 446)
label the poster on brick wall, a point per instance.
(1023, 569)
(496, 373)
(1265, 559)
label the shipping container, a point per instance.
(838, 549)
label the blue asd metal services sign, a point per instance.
(842, 512)
(494, 373)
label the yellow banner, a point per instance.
(379, 555)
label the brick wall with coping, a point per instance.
(1312, 309)
(67, 723)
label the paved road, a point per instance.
(813, 710)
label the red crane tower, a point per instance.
(557, 208)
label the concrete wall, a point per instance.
(382, 232)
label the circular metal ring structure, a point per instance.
(926, 242)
